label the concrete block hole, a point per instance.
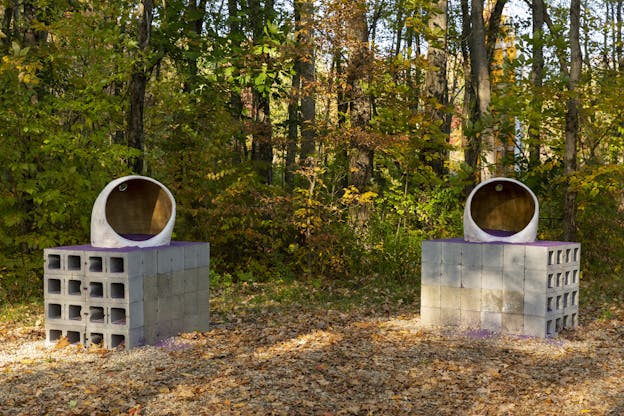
(54, 286)
(55, 334)
(96, 314)
(117, 340)
(96, 338)
(96, 290)
(118, 291)
(74, 287)
(118, 316)
(54, 311)
(116, 265)
(74, 312)
(95, 264)
(74, 263)
(54, 261)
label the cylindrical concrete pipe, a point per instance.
(501, 209)
(133, 211)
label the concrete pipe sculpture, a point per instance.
(133, 211)
(501, 209)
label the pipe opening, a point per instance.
(502, 209)
(138, 209)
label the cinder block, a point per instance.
(128, 338)
(55, 311)
(471, 277)
(450, 297)
(203, 278)
(450, 317)
(513, 323)
(430, 296)
(95, 263)
(492, 321)
(150, 262)
(513, 279)
(430, 273)
(177, 306)
(538, 257)
(513, 302)
(451, 275)
(535, 303)
(534, 326)
(492, 278)
(452, 253)
(178, 283)
(429, 316)
(177, 258)
(53, 262)
(191, 255)
(491, 300)
(150, 312)
(470, 300)
(165, 260)
(539, 280)
(513, 256)
(150, 287)
(492, 254)
(203, 257)
(136, 318)
(164, 284)
(190, 323)
(472, 255)
(190, 303)
(432, 251)
(470, 319)
(203, 305)
(190, 281)
(75, 333)
(129, 263)
(203, 322)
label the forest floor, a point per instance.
(317, 349)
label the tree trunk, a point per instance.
(481, 83)
(537, 75)
(138, 82)
(308, 79)
(572, 121)
(361, 154)
(436, 89)
(262, 142)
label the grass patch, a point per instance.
(248, 297)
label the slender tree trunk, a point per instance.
(308, 80)
(436, 88)
(236, 103)
(293, 118)
(537, 75)
(138, 82)
(572, 121)
(262, 143)
(470, 111)
(361, 155)
(618, 36)
(481, 83)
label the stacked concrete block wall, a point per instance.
(130, 296)
(517, 288)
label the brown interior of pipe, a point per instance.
(502, 206)
(138, 208)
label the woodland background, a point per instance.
(310, 139)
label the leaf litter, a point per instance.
(302, 360)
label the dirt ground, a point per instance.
(305, 360)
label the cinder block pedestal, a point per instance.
(521, 288)
(130, 296)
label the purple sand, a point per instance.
(89, 247)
